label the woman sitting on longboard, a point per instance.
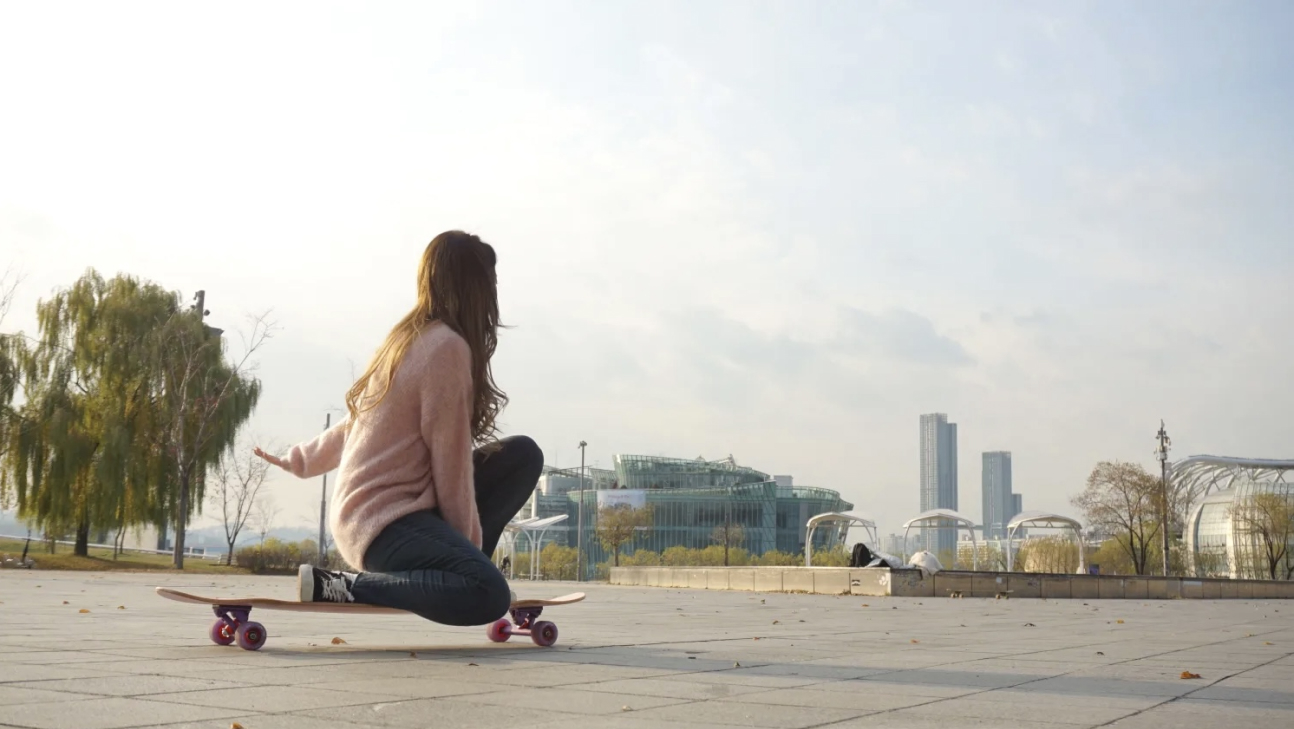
(416, 511)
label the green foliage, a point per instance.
(774, 558)
(128, 400)
(274, 556)
(619, 524)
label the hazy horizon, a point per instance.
(780, 232)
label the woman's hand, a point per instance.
(272, 459)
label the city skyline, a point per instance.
(719, 229)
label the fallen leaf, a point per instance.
(474, 664)
(412, 654)
(83, 610)
(866, 605)
(915, 641)
(338, 641)
(1268, 643)
(1099, 653)
(65, 602)
(1120, 622)
(121, 607)
(625, 708)
(235, 725)
(775, 622)
(1188, 674)
(1030, 625)
(735, 664)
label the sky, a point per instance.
(777, 231)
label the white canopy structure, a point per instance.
(834, 517)
(1044, 519)
(942, 516)
(530, 527)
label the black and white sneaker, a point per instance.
(319, 585)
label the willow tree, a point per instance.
(79, 454)
(129, 400)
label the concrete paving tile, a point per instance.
(622, 722)
(267, 721)
(1250, 696)
(1197, 713)
(905, 719)
(862, 700)
(107, 713)
(18, 672)
(734, 713)
(408, 688)
(871, 684)
(677, 687)
(15, 694)
(422, 713)
(137, 685)
(991, 706)
(273, 698)
(572, 701)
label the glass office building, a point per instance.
(690, 499)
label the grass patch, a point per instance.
(100, 560)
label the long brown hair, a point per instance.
(458, 287)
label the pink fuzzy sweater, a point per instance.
(410, 453)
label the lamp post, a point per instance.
(579, 527)
(1162, 453)
(323, 507)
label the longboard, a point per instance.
(233, 622)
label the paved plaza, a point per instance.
(640, 657)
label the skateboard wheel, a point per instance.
(544, 633)
(251, 636)
(222, 633)
(499, 631)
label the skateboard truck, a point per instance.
(524, 622)
(233, 624)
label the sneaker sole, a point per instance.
(306, 582)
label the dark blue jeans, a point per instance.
(421, 564)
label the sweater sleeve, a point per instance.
(447, 430)
(318, 456)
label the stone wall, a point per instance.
(880, 582)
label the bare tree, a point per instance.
(1123, 499)
(206, 398)
(264, 514)
(234, 486)
(728, 535)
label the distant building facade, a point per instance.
(689, 498)
(1000, 503)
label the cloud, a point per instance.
(902, 335)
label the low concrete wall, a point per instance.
(882, 582)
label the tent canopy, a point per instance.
(1043, 519)
(836, 517)
(939, 515)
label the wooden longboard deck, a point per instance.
(269, 603)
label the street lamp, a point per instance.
(1161, 452)
(579, 526)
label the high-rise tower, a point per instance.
(998, 498)
(938, 478)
